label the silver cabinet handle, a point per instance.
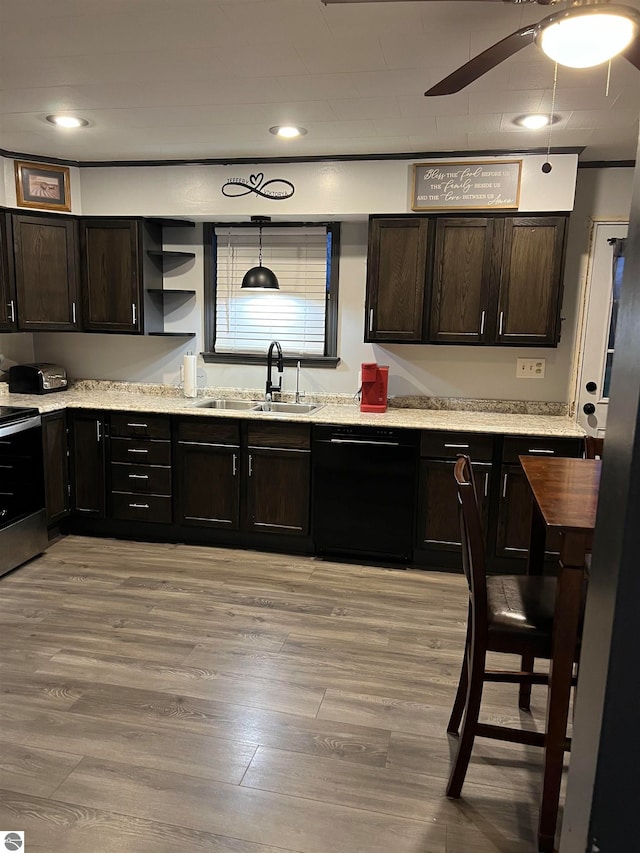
(371, 320)
(540, 450)
(138, 476)
(504, 486)
(12, 308)
(250, 464)
(235, 464)
(73, 312)
(460, 446)
(135, 450)
(482, 322)
(501, 322)
(98, 432)
(486, 483)
(133, 313)
(139, 506)
(145, 426)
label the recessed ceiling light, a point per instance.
(67, 121)
(288, 131)
(534, 121)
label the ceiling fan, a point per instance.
(585, 34)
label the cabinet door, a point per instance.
(464, 263)
(208, 485)
(530, 294)
(7, 280)
(514, 516)
(88, 464)
(111, 275)
(278, 491)
(438, 523)
(396, 269)
(46, 272)
(56, 465)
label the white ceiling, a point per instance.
(195, 79)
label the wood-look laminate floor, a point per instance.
(160, 698)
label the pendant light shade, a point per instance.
(260, 278)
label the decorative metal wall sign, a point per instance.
(275, 189)
(466, 185)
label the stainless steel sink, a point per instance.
(238, 405)
(290, 408)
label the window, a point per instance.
(301, 314)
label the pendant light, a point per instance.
(260, 277)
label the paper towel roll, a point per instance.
(189, 375)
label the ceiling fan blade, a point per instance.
(484, 62)
(632, 53)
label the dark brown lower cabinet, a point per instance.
(87, 449)
(208, 473)
(278, 490)
(514, 516)
(438, 524)
(56, 465)
(277, 470)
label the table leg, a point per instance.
(565, 633)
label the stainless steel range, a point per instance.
(23, 522)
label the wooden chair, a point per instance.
(507, 613)
(593, 447)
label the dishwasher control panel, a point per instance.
(403, 437)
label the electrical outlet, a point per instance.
(530, 368)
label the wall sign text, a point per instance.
(466, 185)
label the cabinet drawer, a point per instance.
(209, 431)
(139, 425)
(130, 507)
(447, 445)
(142, 452)
(285, 435)
(140, 478)
(523, 446)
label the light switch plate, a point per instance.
(530, 368)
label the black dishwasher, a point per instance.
(364, 491)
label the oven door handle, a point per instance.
(20, 426)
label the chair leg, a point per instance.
(524, 694)
(461, 694)
(476, 669)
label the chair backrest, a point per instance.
(593, 447)
(472, 537)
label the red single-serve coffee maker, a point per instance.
(373, 395)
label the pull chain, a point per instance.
(546, 167)
(606, 90)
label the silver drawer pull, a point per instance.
(536, 450)
(139, 506)
(145, 426)
(136, 450)
(138, 476)
(460, 446)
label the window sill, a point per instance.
(321, 361)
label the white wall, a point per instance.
(472, 372)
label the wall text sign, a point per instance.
(466, 185)
(275, 189)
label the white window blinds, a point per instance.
(248, 320)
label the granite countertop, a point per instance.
(111, 396)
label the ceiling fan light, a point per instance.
(586, 40)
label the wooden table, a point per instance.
(565, 493)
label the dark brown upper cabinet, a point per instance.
(462, 272)
(396, 269)
(115, 267)
(8, 315)
(45, 258)
(529, 298)
(492, 280)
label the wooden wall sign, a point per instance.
(466, 185)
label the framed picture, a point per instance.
(43, 186)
